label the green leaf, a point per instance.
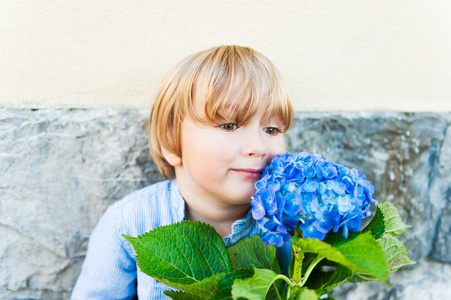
(250, 252)
(306, 294)
(338, 277)
(182, 254)
(224, 288)
(393, 223)
(275, 266)
(385, 226)
(255, 287)
(318, 279)
(395, 252)
(202, 288)
(386, 221)
(360, 277)
(303, 294)
(377, 225)
(360, 252)
(178, 295)
(396, 256)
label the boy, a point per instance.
(216, 122)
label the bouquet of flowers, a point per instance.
(321, 208)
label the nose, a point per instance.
(254, 144)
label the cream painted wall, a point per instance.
(335, 55)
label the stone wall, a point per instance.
(408, 159)
(60, 169)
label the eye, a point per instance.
(229, 127)
(272, 130)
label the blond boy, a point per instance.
(218, 118)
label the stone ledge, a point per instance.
(62, 168)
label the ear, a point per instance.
(172, 158)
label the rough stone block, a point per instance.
(60, 169)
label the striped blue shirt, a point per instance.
(110, 270)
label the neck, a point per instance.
(220, 217)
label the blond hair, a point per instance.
(234, 83)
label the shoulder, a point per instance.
(152, 206)
(148, 194)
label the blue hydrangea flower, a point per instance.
(306, 190)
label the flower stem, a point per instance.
(287, 280)
(284, 278)
(298, 255)
(310, 268)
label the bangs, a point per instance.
(234, 84)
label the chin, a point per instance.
(243, 193)
(245, 199)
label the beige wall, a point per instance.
(334, 55)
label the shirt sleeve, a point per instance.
(109, 270)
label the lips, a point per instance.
(249, 173)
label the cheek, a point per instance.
(277, 147)
(209, 153)
(219, 154)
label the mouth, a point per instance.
(249, 173)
